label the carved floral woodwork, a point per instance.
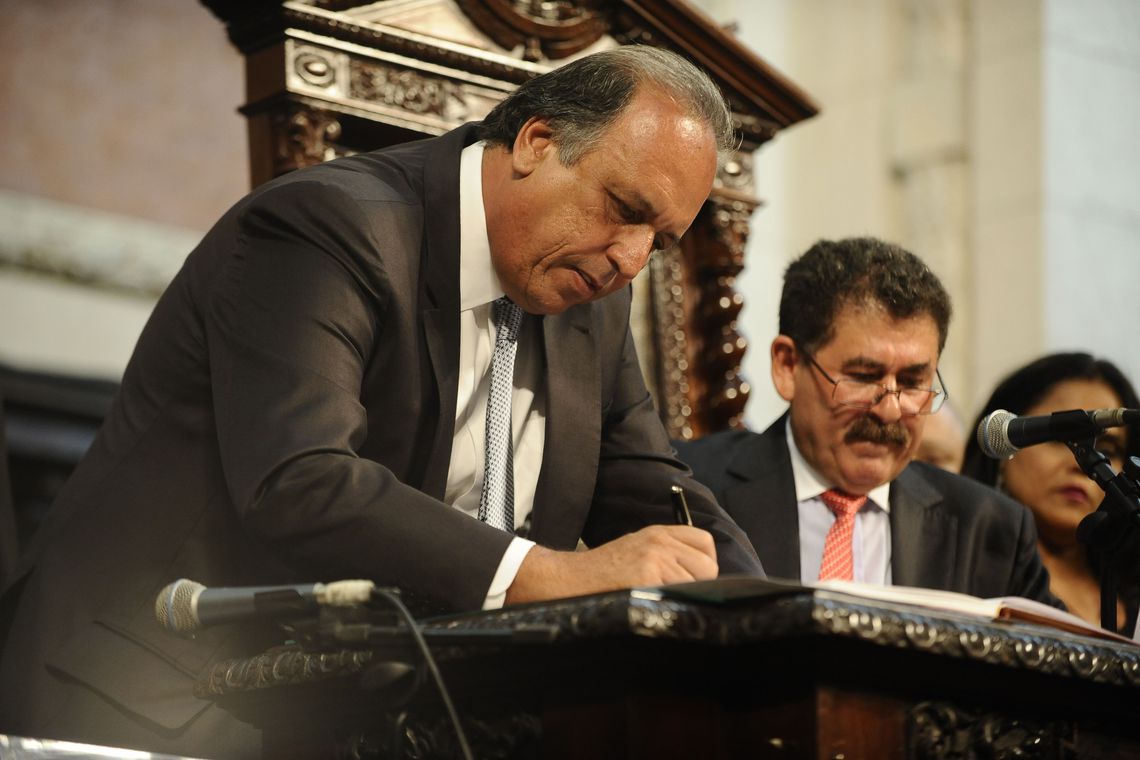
(941, 684)
(305, 136)
(331, 77)
(545, 29)
(652, 615)
(945, 731)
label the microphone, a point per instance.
(1001, 434)
(186, 606)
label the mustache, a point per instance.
(871, 430)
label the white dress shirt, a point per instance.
(871, 542)
(479, 288)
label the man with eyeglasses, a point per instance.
(829, 491)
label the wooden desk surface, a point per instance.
(638, 674)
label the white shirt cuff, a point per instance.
(508, 568)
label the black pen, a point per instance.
(681, 507)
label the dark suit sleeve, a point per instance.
(295, 317)
(637, 467)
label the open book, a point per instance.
(996, 608)
(731, 588)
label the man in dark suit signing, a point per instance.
(326, 391)
(829, 490)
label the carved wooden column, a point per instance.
(713, 255)
(669, 380)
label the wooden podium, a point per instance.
(794, 673)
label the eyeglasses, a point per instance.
(861, 394)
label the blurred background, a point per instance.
(997, 139)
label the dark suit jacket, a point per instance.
(287, 416)
(947, 532)
(9, 543)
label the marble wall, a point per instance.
(1091, 179)
(120, 145)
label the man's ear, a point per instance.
(533, 142)
(784, 361)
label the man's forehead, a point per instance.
(872, 336)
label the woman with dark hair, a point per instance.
(1046, 477)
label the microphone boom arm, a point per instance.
(1110, 530)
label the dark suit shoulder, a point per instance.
(726, 459)
(354, 178)
(715, 449)
(390, 175)
(961, 495)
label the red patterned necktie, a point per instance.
(837, 560)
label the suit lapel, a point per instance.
(439, 296)
(441, 333)
(923, 536)
(573, 424)
(764, 502)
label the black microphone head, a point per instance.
(174, 606)
(992, 436)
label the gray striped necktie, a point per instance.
(497, 500)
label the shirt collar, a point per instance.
(810, 484)
(478, 283)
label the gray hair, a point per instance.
(581, 99)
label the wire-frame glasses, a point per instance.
(862, 394)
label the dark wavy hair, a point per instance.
(1024, 387)
(858, 271)
(582, 98)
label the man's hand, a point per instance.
(652, 556)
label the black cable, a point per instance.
(414, 627)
